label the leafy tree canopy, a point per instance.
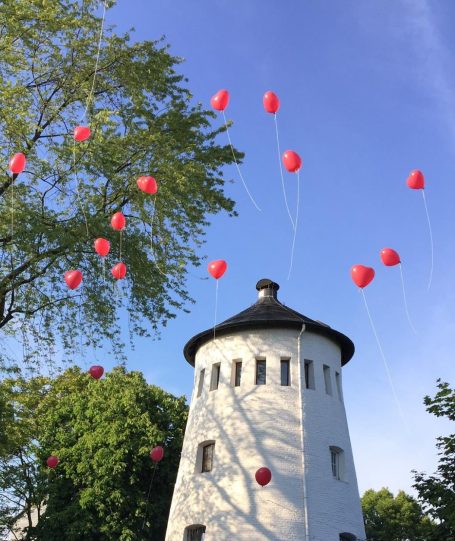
(143, 122)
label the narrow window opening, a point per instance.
(338, 382)
(207, 457)
(337, 462)
(327, 381)
(215, 377)
(201, 382)
(237, 373)
(261, 374)
(195, 533)
(347, 537)
(309, 374)
(285, 372)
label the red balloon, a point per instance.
(96, 371)
(292, 161)
(390, 257)
(157, 453)
(362, 275)
(271, 102)
(81, 133)
(102, 246)
(263, 476)
(73, 278)
(217, 268)
(220, 100)
(416, 180)
(17, 163)
(53, 461)
(119, 271)
(147, 185)
(118, 221)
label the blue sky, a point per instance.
(366, 93)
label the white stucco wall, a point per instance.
(261, 425)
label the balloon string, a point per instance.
(90, 96)
(237, 165)
(386, 365)
(216, 308)
(12, 222)
(295, 226)
(148, 494)
(78, 187)
(431, 238)
(405, 301)
(151, 238)
(120, 246)
(104, 269)
(281, 171)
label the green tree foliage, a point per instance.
(399, 518)
(143, 122)
(102, 431)
(437, 491)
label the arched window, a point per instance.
(195, 532)
(337, 463)
(205, 456)
(347, 537)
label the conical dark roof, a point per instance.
(268, 313)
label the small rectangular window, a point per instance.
(207, 457)
(327, 381)
(238, 373)
(261, 374)
(335, 464)
(201, 382)
(285, 372)
(215, 381)
(309, 374)
(338, 382)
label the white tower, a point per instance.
(267, 392)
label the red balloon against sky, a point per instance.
(73, 278)
(263, 476)
(362, 275)
(147, 185)
(390, 257)
(102, 246)
(157, 453)
(52, 461)
(17, 163)
(118, 221)
(217, 268)
(416, 180)
(119, 271)
(96, 371)
(220, 100)
(81, 133)
(292, 161)
(271, 102)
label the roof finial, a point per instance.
(267, 288)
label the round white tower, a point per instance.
(267, 392)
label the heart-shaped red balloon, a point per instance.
(102, 246)
(390, 257)
(271, 102)
(292, 161)
(157, 453)
(416, 180)
(362, 275)
(17, 163)
(81, 133)
(147, 185)
(263, 476)
(118, 221)
(52, 461)
(96, 371)
(220, 100)
(73, 278)
(217, 268)
(119, 271)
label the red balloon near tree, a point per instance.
(217, 268)
(119, 271)
(118, 221)
(271, 102)
(73, 278)
(52, 461)
(157, 454)
(147, 185)
(96, 371)
(81, 133)
(102, 247)
(263, 476)
(390, 257)
(362, 275)
(220, 100)
(17, 163)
